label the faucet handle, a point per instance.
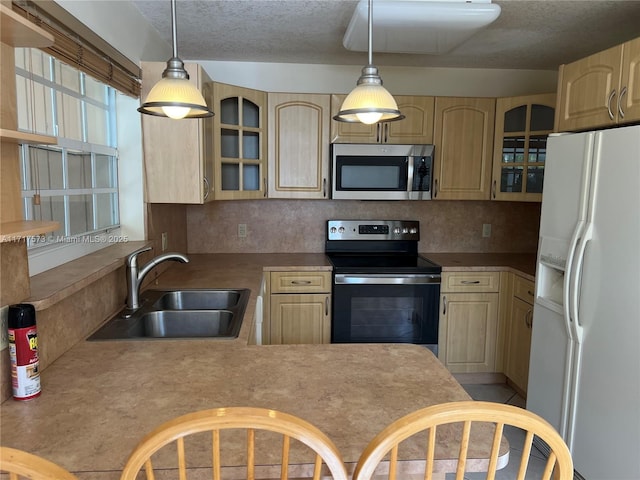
(132, 257)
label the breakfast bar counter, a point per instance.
(101, 398)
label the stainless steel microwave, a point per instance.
(363, 171)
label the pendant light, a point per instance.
(369, 102)
(174, 96)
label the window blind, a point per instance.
(69, 47)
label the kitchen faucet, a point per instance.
(135, 278)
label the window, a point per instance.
(74, 182)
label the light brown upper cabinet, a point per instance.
(298, 145)
(416, 127)
(522, 127)
(600, 90)
(463, 141)
(240, 141)
(178, 154)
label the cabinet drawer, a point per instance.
(523, 289)
(300, 282)
(470, 282)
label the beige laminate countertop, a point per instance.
(523, 264)
(100, 398)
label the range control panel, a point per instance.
(373, 230)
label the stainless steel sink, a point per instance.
(185, 324)
(183, 313)
(198, 300)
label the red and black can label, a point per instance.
(25, 372)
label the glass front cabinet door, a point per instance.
(522, 127)
(240, 126)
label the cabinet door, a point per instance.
(588, 90)
(177, 152)
(240, 126)
(630, 84)
(298, 145)
(522, 127)
(467, 339)
(519, 343)
(464, 148)
(416, 127)
(300, 318)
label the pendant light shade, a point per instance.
(175, 96)
(369, 102)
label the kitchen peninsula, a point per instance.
(100, 398)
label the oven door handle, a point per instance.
(387, 279)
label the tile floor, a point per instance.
(504, 394)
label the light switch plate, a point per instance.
(486, 230)
(242, 230)
(4, 327)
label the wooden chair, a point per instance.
(18, 463)
(454, 420)
(258, 441)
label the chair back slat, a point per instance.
(479, 429)
(215, 454)
(464, 450)
(148, 468)
(431, 453)
(315, 449)
(317, 468)
(548, 469)
(251, 454)
(182, 463)
(284, 469)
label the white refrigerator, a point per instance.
(584, 374)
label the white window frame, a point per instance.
(46, 252)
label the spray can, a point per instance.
(23, 351)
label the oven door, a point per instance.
(386, 308)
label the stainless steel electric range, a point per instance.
(383, 290)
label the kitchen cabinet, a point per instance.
(463, 138)
(520, 145)
(16, 31)
(240, 142)
(519, 323)
(468, 337)
(178, 154)
(298, 145)
(601, 90)
(416, 127)
(300, 307)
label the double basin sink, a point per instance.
(183, 313)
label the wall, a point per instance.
(300, 226)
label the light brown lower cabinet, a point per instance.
(299, 307)
(469, 322)
(518, 333)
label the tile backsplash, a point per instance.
(281, 226)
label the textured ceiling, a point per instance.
(529, 34)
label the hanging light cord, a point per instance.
(174, 29)
(370, 28)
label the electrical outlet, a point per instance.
(242, 230)
(165, 241)
(486, 230)
(4, 327)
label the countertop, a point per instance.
(100, 398)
